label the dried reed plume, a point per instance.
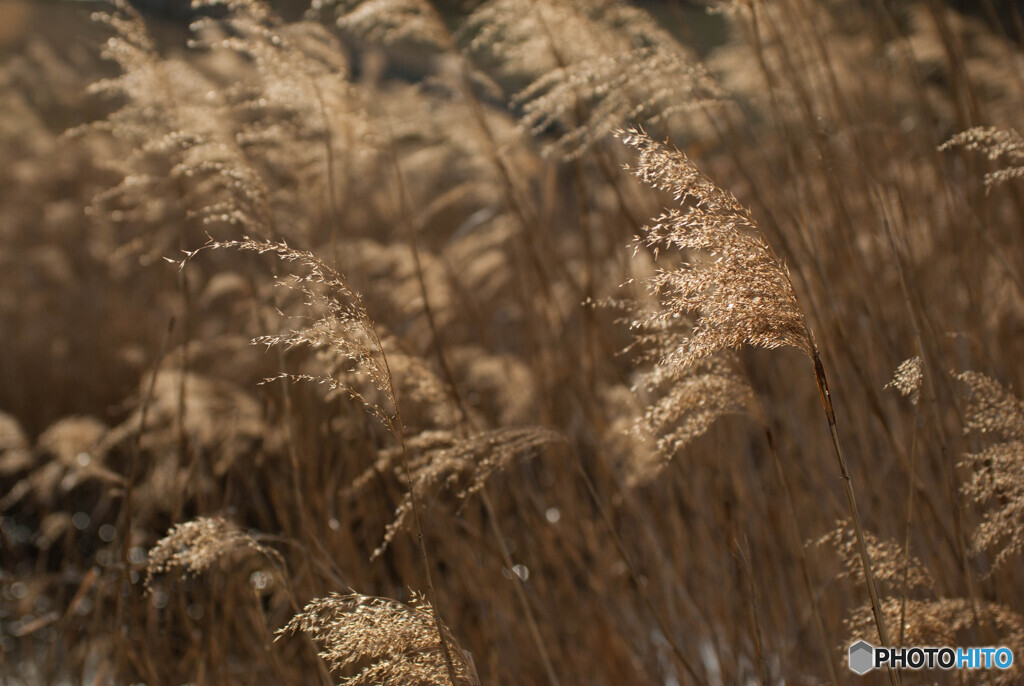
(892, 565)
(908, 378)
(441, 461)
(344, 332)
(645, 85)
(684, 403)
(736, 285)
(387, 158)
(528, 40)
(996, 144)
(342, 329)
(391, 21)
(679, 404)
(195, 546)
(997, 472)
(383, 640)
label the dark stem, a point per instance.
(851, 501)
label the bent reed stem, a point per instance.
(851, 500)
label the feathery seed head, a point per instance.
(997, 472)
(908, 379)
(734, 282)
(398, 642)
(995, 144)
(196, 545)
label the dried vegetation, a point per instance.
(297, 306)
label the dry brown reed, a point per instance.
(991, 409)
(439, 203)
(395, 642)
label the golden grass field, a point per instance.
(556, 342)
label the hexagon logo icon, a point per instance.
(862, 657)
